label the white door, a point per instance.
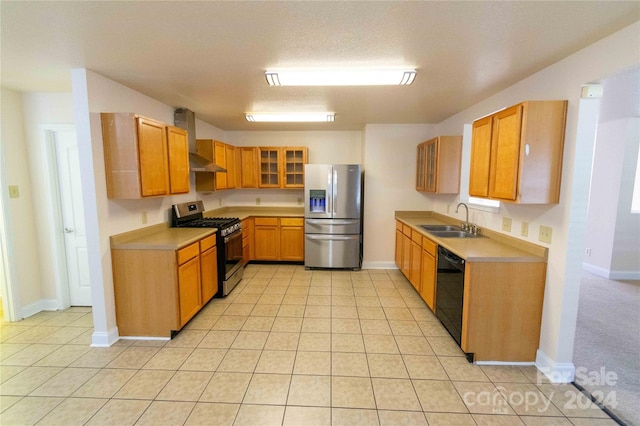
(71, 206)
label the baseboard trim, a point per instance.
(379, 265)
(609, 274)
(104, 339)
(556, 372)
(39, 306)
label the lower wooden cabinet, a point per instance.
(190, 295)
(415, 263)
(292, 239)
(158, 291)
(428, 276)
(266, 238)
(278, 239)
(208, 268)
(247, 240)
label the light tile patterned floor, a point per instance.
(287, 347)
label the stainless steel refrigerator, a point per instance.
(333, 216)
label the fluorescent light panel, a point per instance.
(340, 77)
(289, 117)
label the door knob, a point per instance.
(68, 230)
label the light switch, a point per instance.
(14, 192)
(524, 230)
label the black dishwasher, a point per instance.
(450, 292)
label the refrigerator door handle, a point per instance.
(331, 221)
(330, 186)
(335, 192)
(331, 237)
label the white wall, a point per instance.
(613, 231)
(389, 184)
(562, 80)
(18, 212)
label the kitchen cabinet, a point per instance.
(428, 272)
(178, 158)
(157, 291)
(399, 241)
(516, 153)
(222, 155)
(247, 240)
(438, 165)
(248, 167)
(502, 310)
(292, 239)
(281, 167)
(189, 292)
(415, 264)
(230, 158)
(406, 251)
(266, 238)
(269, 167)
(208, 268)
(294, 160)
(143, 157)
(278, 239)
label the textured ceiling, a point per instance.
(210, 57)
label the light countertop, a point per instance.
(490, 247)
(159, 237)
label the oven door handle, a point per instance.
(237, 234)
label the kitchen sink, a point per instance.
(453, 234)
(432, 228)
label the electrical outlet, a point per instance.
(524, 230)
(506, 224)
(448, 208)
(144, 217)
(299, 201)
(545, 234)
(587, 251)
(14, 192)
(220, 202)
(258, 201)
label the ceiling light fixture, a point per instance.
(290, 117)
(340, 77)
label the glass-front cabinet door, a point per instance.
(269, 167)
(294, 160)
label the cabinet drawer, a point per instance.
(207, 242)
(292, 221)
(429, 246)
(188, 252)
(406, 230)
(416, 236)
(266, 221)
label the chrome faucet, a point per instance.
(466, 226)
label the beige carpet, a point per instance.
(608, 342)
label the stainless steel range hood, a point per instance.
(186, 119)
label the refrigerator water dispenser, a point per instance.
(318, 200)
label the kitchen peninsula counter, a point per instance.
(491, 246)
(159, 237)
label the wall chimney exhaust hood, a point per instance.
(186, 119)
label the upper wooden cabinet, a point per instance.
(516, 153)
(248, 167)
(178, 153)
(222, 155)
(281, 167)
(143, 157)
(269, 167)
(438, 165)
(294, 160)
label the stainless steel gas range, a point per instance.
(228, 241)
